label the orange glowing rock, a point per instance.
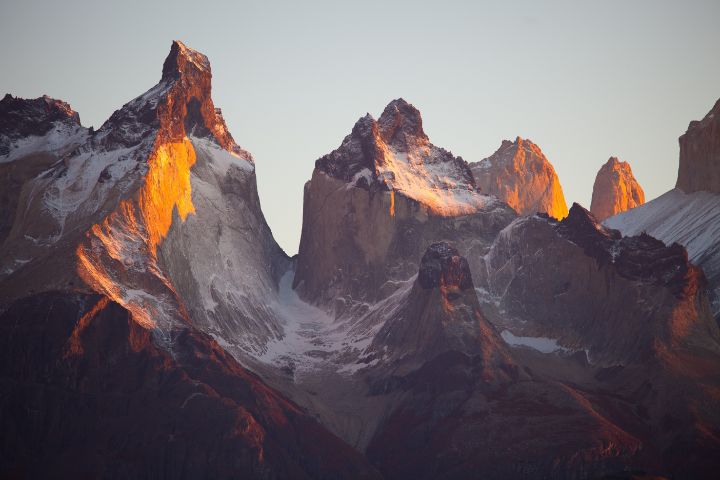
(519, 174)
(118, 257)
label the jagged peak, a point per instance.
(41, 107)
(401, 123)
(511, 150)
(182, 61)
(21, 117)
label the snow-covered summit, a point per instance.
(394, 154)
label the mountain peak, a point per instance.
(401, 124)
(700, 154)
(182, 61)
(21, 117)
(615, 190)
(519, 174)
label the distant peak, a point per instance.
(183, 60)
(401, 121)
(24, 117)
(613, 161)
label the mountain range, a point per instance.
(442, 318)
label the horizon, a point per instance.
(291, 105)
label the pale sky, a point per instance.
(585, 80)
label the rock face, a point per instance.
(440, 314)
(615, 190)
(519, 174)
(700, 154)
(374, 205)
(591, 285)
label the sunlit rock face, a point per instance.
(615, 190)
(519, 174)
(117, 192)
(374, 205)
(700, 154)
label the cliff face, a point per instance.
(519, 174)
(615, 190)
(590, 286)
(700, 154)
(374, 205)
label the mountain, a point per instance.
(700, 154)
(152, 327)
(132, 254)
(690, 213)
(440, 314)
(471, 402)
(374, 204)
(519, 174)
(615, 190)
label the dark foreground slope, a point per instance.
(87, 393)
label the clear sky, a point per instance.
(585, 80)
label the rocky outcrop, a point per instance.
(87, 392)
(700, 154)
(519, 174)
(374, 205)
(615, 190)
(587, 287)
(440, 314)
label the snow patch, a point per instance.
(541, 344)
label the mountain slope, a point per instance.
(89, 393)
